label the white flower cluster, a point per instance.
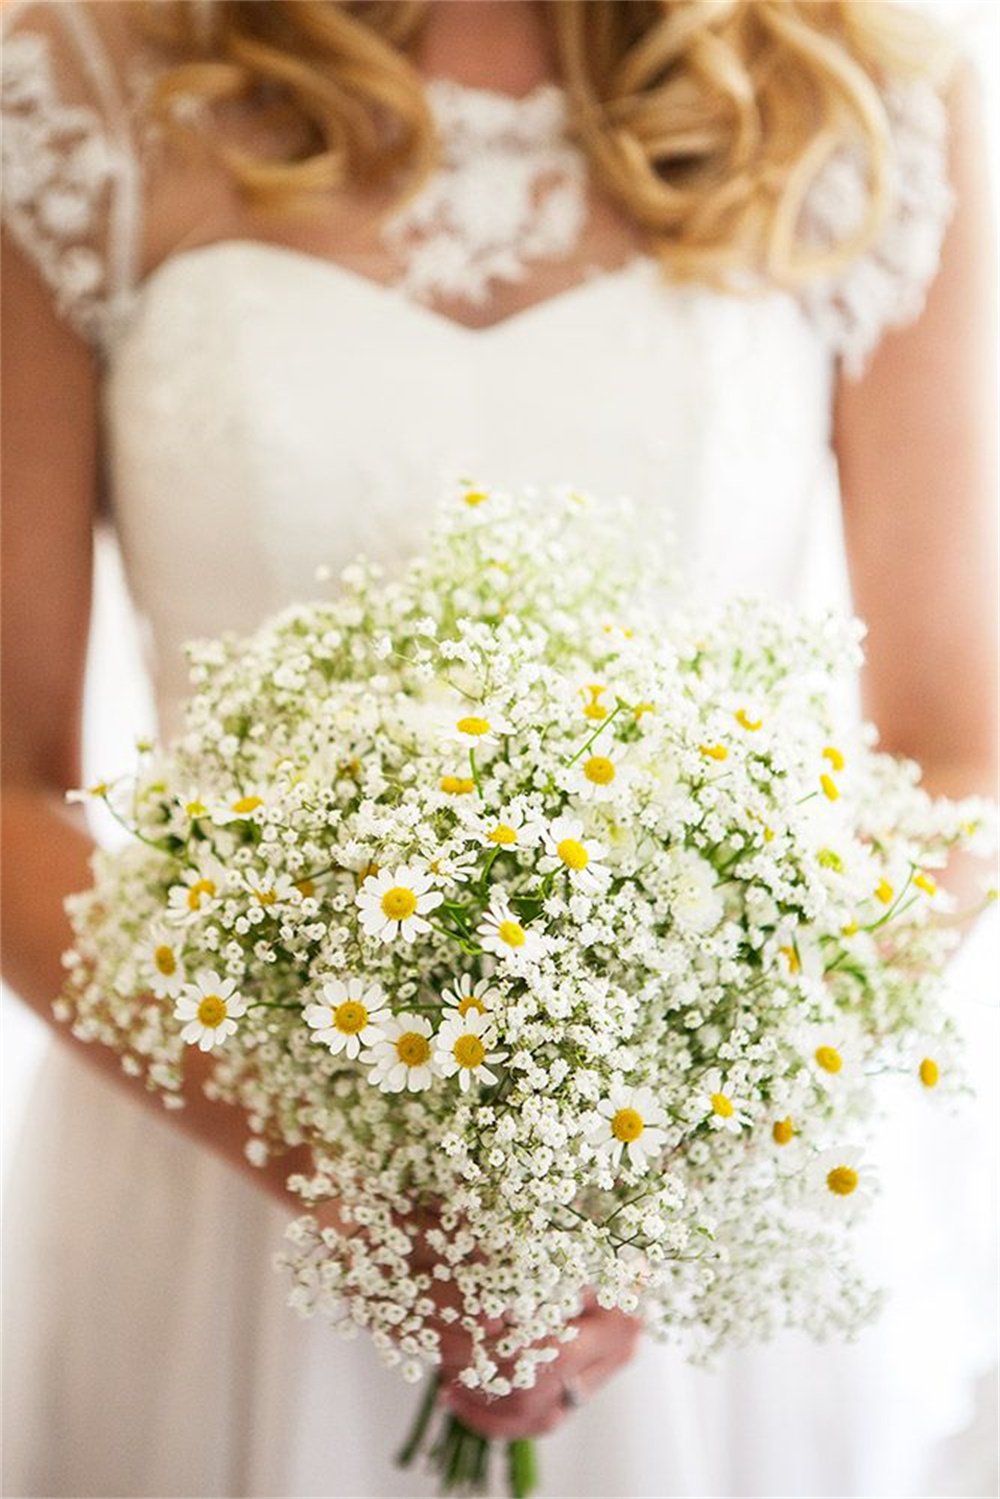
(567, 930)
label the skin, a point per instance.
(919, 519)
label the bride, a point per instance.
(274, 272)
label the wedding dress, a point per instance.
(266, 411)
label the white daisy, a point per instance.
(466, 996)
(568, 849)
(717, 1102)
(270, 889)
(842, 1184)
(350, 1016)
(501, 933)
(631, 1122)
(479, 726)
(395, 902)
(831, 1053)
(463, 1045)
(798, 953)
(240, 805)
(401, 1057)
(210, 1007)
(512, 827)
(166, 967)
(197, 892)
(599, 778)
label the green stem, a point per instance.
(522, 1468)
(604, 723)
(418, 1430)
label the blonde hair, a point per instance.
(705, 121)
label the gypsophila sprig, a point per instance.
(514, 887)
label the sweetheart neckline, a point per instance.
(641, 263)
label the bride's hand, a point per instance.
(605, 1342)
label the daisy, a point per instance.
(841, 1182)
(395, 902)
(166, 969)
(719, 1105)
(466, 996)
(477, 728)
(351, 1016)
(196, 893)
(463, 1045)
(579, 856)
(831, 1053)
(269, 890)
(631, 1122)
(510, 828)
(598, 778)
(238, 806)
(501, 933)
(401, 1057)
(210, 1007)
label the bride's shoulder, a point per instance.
(927, 129)
(73, 77)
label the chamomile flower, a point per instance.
(509, 828)
(270, 890)
(464, 1045)
(243, 804)
(840, 1182)
(719, 1103)
(165, 965)
(396, 902)
(401, 1058)
(601, 777)
(831, 1053)
(210, 1007)
(349, 1016)
(197, 892)
(477, 728)
(500, 932)
(568, 849)
(464, 995)
(632, 1123)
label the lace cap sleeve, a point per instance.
(886, 287)
(70, 173)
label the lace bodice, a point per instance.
(510, 191)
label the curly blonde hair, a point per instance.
(705, 121)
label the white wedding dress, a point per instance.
(267, 412)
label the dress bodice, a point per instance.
(267, 411)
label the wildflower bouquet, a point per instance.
(516, 891)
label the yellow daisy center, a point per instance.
(306, 888)
(413, 1049)
(721, 1105)
(198, 889)
(399, 903)
(782, 1131)
(929, 1072)
(627, 1125)
(829, 1059)
(599, 771)
(834, 756)
(925, 883)
(469, 1051)
(746, 722)
(884, 892)
(474, 497)
(246, 804)
(195, 809)
(503, 834)
(511, 933)
(595, 710)
(476, 727)
(830, 788)
(165, 960)
(266, 897)
(842, 1180)
(350, 1017)
(791, 957)
(212, 1010)
(457, 785)
(470, 1002)
(573, 854)
(715, 751)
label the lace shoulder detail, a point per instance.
(70, 173)
(887, 286)
(510, 189)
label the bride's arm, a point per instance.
(916, 440)
(50, 463)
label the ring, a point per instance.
(571, 1397)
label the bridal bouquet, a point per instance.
(549, 913)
